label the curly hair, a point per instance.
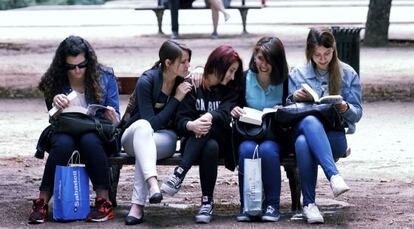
(53, 81)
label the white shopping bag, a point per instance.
(253, 186)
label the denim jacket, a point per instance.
(110, 95)
(350, 89)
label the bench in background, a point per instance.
(126, 87)
(159, 12)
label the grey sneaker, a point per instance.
(271, 215)
(338, 185)
(206, 210)
(312, 214)
(173, 184)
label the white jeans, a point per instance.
(139, 140)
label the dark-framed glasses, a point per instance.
(73, 66)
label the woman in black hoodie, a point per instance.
(203, 118)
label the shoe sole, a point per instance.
(270, 219)
(315, 221)
(167, 190)
(202, 220)
(106, 218)
(341, 192)
(243, 219)
(40, 221)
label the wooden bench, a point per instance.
(126, 86)
(159, 12)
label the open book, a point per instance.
(90, 110)
(331, 99)
(254, 116)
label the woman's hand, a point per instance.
(110, 114)
(200, 126)
(61, 101)
(301, 95)
(342, 107)
(237, 112)
(196, 76)
(182, 90)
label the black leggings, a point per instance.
(93, 155)
(206, 151)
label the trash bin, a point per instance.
(347, 44)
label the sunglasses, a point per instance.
(73, 66)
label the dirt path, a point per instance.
(379, 172)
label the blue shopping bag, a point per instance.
(71, 191)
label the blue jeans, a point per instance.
(93, 155)
(269, 152)
(313, 146)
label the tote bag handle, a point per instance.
(74, 160)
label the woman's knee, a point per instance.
(310, 120)
(142, 128)
(62, 141)
(269, 149)
(90, 139)
(211, 150)
(247, 148)
(300, 144)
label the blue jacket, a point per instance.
(110, 94)
(148, 89)
(350, 89)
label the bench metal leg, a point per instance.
(294, 184)
(159, 13)
(114, 171)
(243, 14)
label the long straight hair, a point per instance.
(274, 53)
(323, 37)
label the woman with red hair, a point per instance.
(203, 118)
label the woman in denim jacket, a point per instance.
(314, 145)
(75, 69)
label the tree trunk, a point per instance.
(378, 21)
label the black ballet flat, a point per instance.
(155, 198)
(131, 220)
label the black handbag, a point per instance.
(326, 113)
(247, 131)
(75, 123)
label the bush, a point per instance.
(12, 4)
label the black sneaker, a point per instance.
(206, 210)
(173, 184)
(102, 211)
(271, 214)
(243, 217)
(39, 212)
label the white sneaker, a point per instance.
(312, 214)
(338, 185)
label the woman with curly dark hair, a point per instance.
(75, 69)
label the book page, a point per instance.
(331, 99)
(93, 108)
(311, 92)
